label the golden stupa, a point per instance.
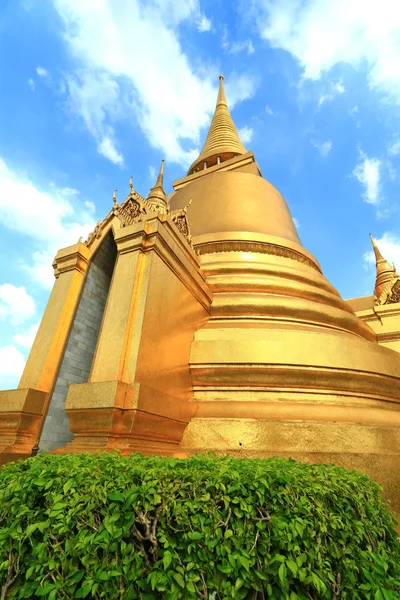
(199, 322)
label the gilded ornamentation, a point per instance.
(132, 210)
(180, 219)
(386, 278)
(258, 247)
(95, 234)
(394, 293)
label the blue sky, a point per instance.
(93, 91)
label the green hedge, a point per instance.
(113, 527)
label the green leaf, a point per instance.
(238, 583)
(244, 562)
(282, 573)
(167, 559)
(85, 589)
(46, 589)
(292, 566)
(261, 575)
(30, 529)
(116, 496)
(179, 579)
(195, 535)
(228, 534)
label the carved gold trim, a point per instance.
(134, 209)
(392, 295)
(258, 247)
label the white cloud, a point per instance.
(395, 148)
(323, 147)
(246, 134)
(334, 88)
(94, 96)
(42, 72)
(269, 110)
(67, 192)
(26, 339)
(152, 174)
(353, 111)
(296, 222)
(367, 171)
(203, 24)
(16, 305)
(131, 66)
(389, 246)
(339, 87)
(238, 88)
(323, 33)
(108, 150)
(90, 205)
(235, 47)
(49, 218)
(12, 362)
(31, 84)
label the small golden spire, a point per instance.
(114, 197)
(160, 178)
(385, 273)
(223, 141)
(131, 185)
(377, 253)
(221, 99)
(157, 198)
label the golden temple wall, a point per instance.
(138, 393)
(384, 320)
(79, 352)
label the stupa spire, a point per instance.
(157, 198)
(221, 99)
(385, 273)
(223, 141)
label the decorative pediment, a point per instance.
(134, 209)
(179, 217)
(392, 293)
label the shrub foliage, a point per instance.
(115, 527)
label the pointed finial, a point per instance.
(377, 253)
(157, 198)
(223, 141)
(385, 273)
(160, 178)
(114, 197)
(131, 184)
(221, 99)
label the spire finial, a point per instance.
(223, 141)
(160, 178)
(385, 273)
(157, 198)
(131, 185)
(377, 253)
(221, 99)
(114, 197)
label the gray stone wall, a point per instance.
(79, 352)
